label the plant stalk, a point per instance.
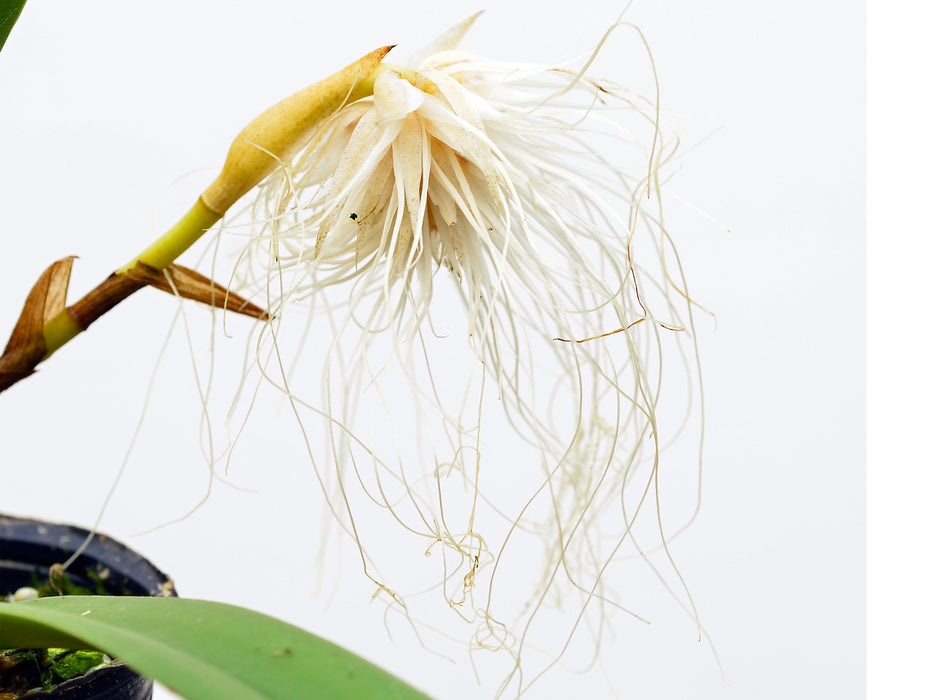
(267, 142)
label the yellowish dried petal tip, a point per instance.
(280, 131)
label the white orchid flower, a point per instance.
(525, 191)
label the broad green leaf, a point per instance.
(201, 649)
(9, 13)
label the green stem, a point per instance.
(58, 330)
(177, 239)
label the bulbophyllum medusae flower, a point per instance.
(532, 195)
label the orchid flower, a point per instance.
(532, 194)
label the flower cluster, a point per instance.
(518, 189)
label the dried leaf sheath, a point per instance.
(45, 308)
(27, 346)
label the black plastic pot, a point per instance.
(29, 548)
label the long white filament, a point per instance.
(503, 184)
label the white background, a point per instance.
(105, 104)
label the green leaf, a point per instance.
(9, 13)
(201, 649)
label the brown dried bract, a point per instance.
(26, 346)
(187, 283)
